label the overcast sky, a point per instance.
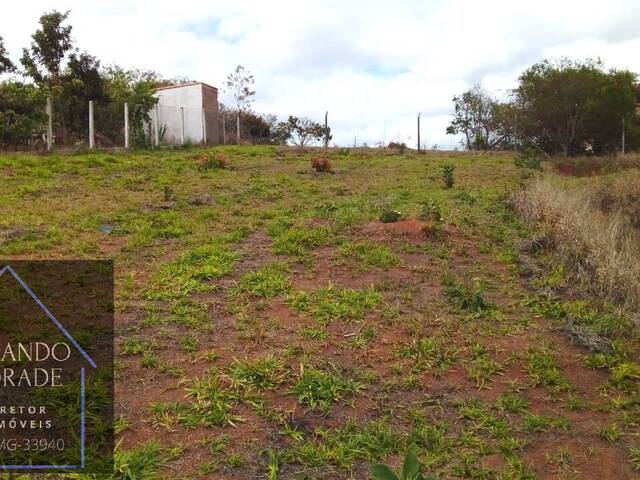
(372, 65)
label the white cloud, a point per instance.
(372, 64)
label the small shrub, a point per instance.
(430, 210)
(321, 164)
(466, 296)
(400, 146)
(211, 161)
(167, 194)
(528, 159)
(390, 216)
(447, 175)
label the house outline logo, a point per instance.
(87, 357)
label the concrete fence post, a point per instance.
(156, 131)
(204, 128)
(224, 131)
(49, 125)
(126, 125)
(92, 139)
(418, 133)
(181, 125)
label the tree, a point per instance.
(239, 86)
(137, 88)
(301, 131)
(51, 43)
(6, 65)
(480, 118)
(21, 113)
(563, 104)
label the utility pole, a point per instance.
(326, 129)
(623, 135)
(384, 133)
(418, 133)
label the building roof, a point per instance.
(189, 84)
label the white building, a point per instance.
(187, 113)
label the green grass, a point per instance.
(299, 241)
(541, 423)
(366, 254)
(429, 353)
(611, 433)
(193, 271)
(212, 403)
(269, 281)
(264, 373)
(189, 344)
(344, 445)
(314, 333)
(141, 463)
(204, 258)
(134, 346)
(318, 389)
(543, 369)
(481, 366)
(634, 457)
(512, 403)
(334, 303)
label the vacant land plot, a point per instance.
(271, 326)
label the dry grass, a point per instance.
(594, 166)
(593, 229)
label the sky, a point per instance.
(373, 65)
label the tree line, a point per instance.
(560, 107)
(52, 66)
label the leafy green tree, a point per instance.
(49, 47)
(21, 113)
(137, 88)
(300, 131)
(481, 119)
(6, 65)
(566, 103)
